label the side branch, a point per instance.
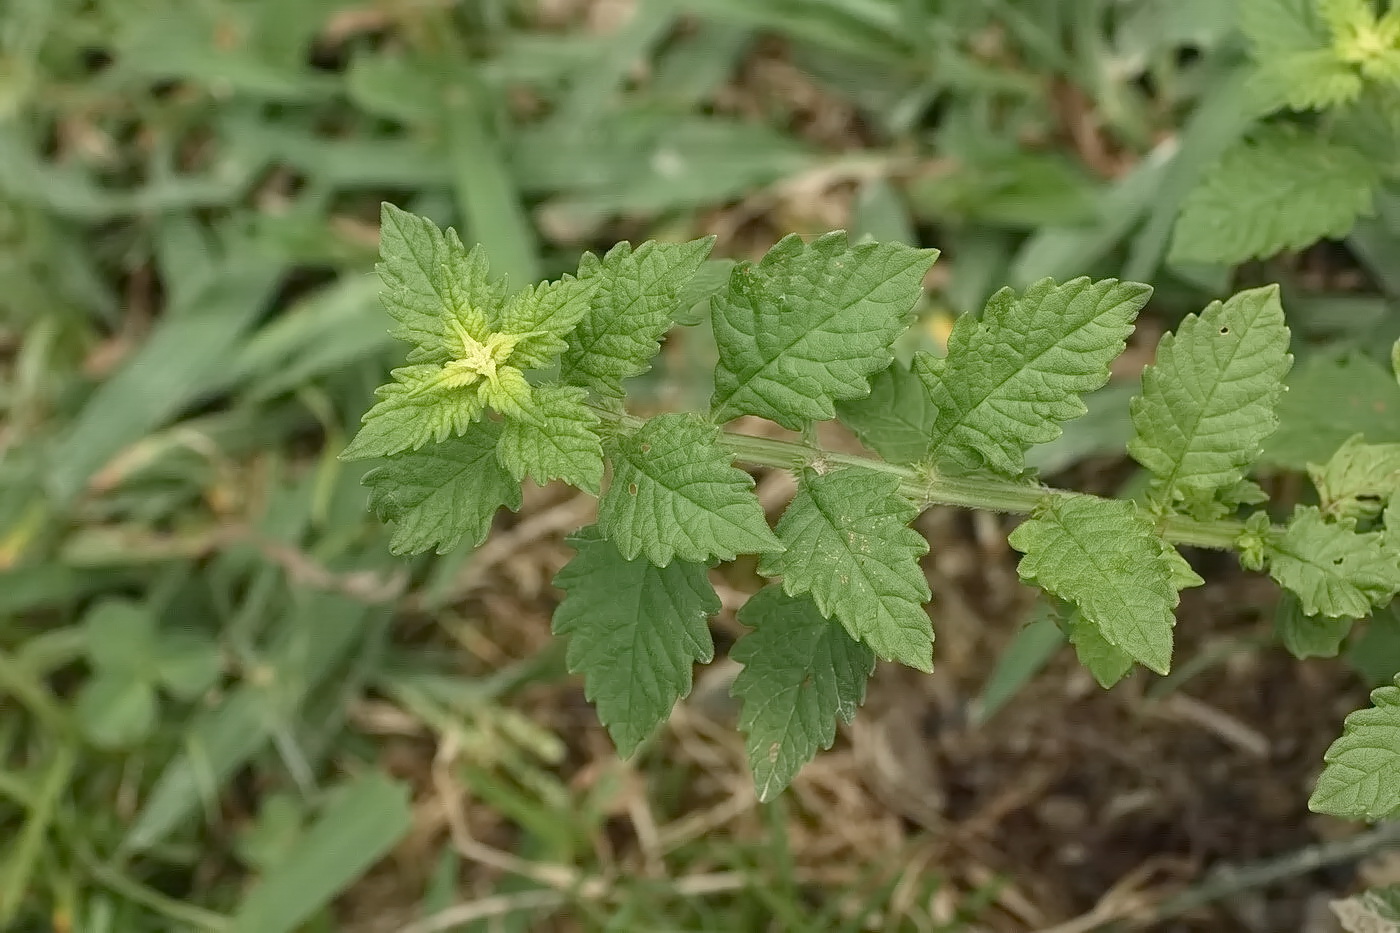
(926, 487)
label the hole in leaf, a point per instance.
(632, 488)
(1224, 331)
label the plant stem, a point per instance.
(926, 487)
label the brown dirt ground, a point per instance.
(1075, 798)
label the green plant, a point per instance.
(805, 336)
(1291, 182)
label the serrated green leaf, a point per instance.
(1314, 79)
(1330, 397)
(1358, 479)
(1292, 51)
(1107, 663)
(1209, 399)
(849, 546)
(1182, 574)
(1013, 377)
(1103, 556)
(430, 280)
(543, 316)
(1334, 570)
(1281, 189)
(635, 631)
(511, 394)
(809, 324)
(443, 493)
(897, 418)
(676, 493)
(1308, 636)
(1361, 780)
(564, 445)
(635, 301)
(801, 672)
(417, 407)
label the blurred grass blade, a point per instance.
(1032, 648)
(487, 196)
(359, 827)
(1220, 119)
(875, 31)
(1063, 252)
(595, 87)
(313, 640)
(185, 354)
(24, 850)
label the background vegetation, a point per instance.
(224, 706)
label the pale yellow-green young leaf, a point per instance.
(509, 393)
(431, 281)
(563, 445)
(417, 407)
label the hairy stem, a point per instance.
(925, 486)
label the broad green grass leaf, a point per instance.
(810, 324)
(801, 672)
(849, 547)
(1281, 189)
(358, 828)
(414, 409)
(116, 711)
(675, 493)
(311, 641)
(635, 302)
(186, 354)
(1308, 636)
(1029, 651)
(1358, 479)
(1103, 556)
(1012, 377)
(187, 665)
(896, 419)
(483, 179)
(1334, 570)
(120, 636)
(1362, 778)
(635, 632)
(444, 493)
(1331, 397)
(1208, 401)
(566, 447)
(430, 280)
